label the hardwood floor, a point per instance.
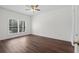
(35, 44)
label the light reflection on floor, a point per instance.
(16, 45)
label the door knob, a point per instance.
(76, 43)
(76, 35)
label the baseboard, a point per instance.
(16, 37)
(37, 35)
(53, 38)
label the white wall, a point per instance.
(54, 24)
(5, 15)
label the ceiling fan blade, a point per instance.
(37, 9)
(36, 6)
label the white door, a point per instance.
(76, 29)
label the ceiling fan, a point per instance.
(33, 8)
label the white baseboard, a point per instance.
(12, 36)
(53, 38)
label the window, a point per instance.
(15, 26)
(21, 26)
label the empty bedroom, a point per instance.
(38, 28)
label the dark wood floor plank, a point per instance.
(35, 44)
